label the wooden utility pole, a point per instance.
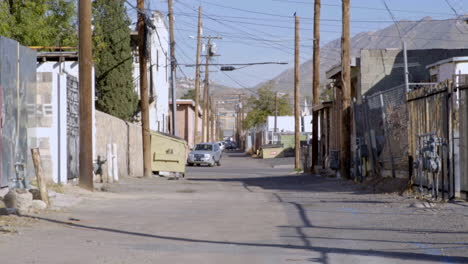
(86, 94)
(237, 125)
(346, 92)
(275, 131)
(210, 116)
(316, 85)
(197, 76)
(212, 120)
(242, 124)
(173, 67)
(240, 119)
(297, 146)
(144, 96)
(206, 93)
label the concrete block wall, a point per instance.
(111, 130)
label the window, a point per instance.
(205, 147)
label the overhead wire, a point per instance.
(365, 7)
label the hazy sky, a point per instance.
(263, 30)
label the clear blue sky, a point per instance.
(263, 30)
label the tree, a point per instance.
(190, 94)
(39, 22)
(264, 106)
(116, 94)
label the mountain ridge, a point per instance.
(423, 34)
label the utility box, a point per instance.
(168, 153)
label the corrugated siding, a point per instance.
(15, 61)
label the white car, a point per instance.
(205, 154)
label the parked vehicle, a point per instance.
(205, 154)
(222, 145)
(231, 145)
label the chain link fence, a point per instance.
(381, 125)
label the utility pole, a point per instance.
(205, 94)
(346, 91)
(316, 85)
(86, 95)
(237, 125)
(173, 67)
(241, 128)
(197, 76)
(297, 146)
(242, 124)
(206, 125)
(218, 128)
(275, 131)
(212, 119)
(144, 97)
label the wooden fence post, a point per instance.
(41, 184)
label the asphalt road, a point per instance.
(242, 212)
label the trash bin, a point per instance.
(168, 153)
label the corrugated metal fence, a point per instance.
(17, 77)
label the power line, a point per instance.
(241, 85)
(277, 46)
(366, 8)
(290, 17)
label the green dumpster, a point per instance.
(271, 151)
(169, 153)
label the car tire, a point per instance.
(190, 164)
(218, 163)
(212, 164)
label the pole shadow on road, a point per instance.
(323, 250)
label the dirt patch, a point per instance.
(10, 223)
(387, 185)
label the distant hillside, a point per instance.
(424, 34)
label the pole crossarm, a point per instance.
(237, 64)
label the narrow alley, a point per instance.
(242, 212)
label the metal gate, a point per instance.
(73, 127)
(463, 97)
(431, 142)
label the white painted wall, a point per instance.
(160, 59)
(57, 133)
(286, 123)
(447, 70)
(158, 65)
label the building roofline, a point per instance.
(57, 56)
(187, 102)
(334, 70)
(449, 60)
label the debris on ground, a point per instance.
(11, 223)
